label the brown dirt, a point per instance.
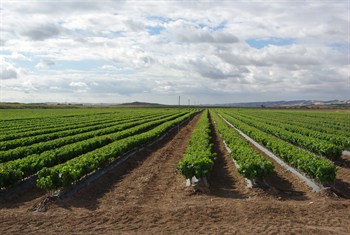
(342, 183)
(146, 195)
(284, 185)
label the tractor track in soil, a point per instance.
(146, 195)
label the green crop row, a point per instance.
(317, 146)
(341, 141)
(73, 170)
(23, 114)
(20, 126)
(38, 129)
(331, 118)
(78, 129)
(316, 167)
(24, 151)
(50, 126)
(198, 159)
(252, 164)
(13, 126)
(297, 120)
(14, 171)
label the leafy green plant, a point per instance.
(198, 159)
(316, 167)
(73, 170)
(317, 146)
(35, 162)
(252, 164)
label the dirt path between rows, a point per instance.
(146, 195)
(342, 182)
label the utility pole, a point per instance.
(179, 100)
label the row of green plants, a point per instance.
(73, 170)
(293, 119)
(198, 159)
(32, 112)
(38, 129)
(314, 145)
(336, 120)
(19, 125)
(70, 124)
(342, 141)
(14, 171)
(24, 151)
(78, 129)
(327, 117)
(314, 166)
(252, 164)
(25, 125)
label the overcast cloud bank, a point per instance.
(207, 51)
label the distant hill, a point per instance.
(291, 104)
(137, 103)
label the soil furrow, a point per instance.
(224, 179)
(146, 195)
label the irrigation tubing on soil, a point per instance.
(315, 187)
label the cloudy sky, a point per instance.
(206, 51)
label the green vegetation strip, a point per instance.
(79, 128)
(315, 167)
(24, 151)
(332, 119)
(292, 118)
(252, 164)
(73, 170)
(50, 126)
(341, 141)
(317, 146)
(198, 159)
(16, 125)
(14, 171)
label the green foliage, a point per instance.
(317, 146)
(314, 166)
(252, 164)
(24, 151)
(330, 126)
(31, 164)
(198, 159)
(8, 178)
(73, 170)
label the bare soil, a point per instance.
(342, 183)
(146, 195)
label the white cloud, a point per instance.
(45, 64)
(17, 56)
(79, 86)
(42, 32)
(189, 32)
(108, 68)
(8, 71)
(158, 50)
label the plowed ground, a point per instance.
(146, 195)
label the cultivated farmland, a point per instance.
(122, 170)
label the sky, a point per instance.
(206, 52)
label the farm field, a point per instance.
(45, 150)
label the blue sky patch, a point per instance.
(340, 46)
(220, 26)
(154, 30)
(26, 64)
(215, 28)
(159, 19)
(261, 43)
(5, 52)
(81, 64)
